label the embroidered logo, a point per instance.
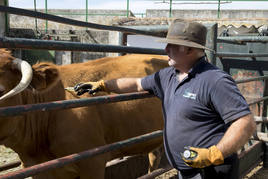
(188, 94)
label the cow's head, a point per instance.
(6, 78)
(16, 75)
(22, 84)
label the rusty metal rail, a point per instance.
(252, 79)
(40, 15)
(156, 173)
(229, 54)
(57, 163)
(251, 158)
(10, 165)
(22, 43)
(235, 39)
(65, 104)
(258, 100)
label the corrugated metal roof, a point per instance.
(232, 26)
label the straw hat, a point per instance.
(186, 33)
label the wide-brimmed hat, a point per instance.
(187, 33)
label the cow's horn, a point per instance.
(27, 74)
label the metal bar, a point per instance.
(229, 54)
(35, 18)
(265, 104)
(57, 163)
(250, 158)
(10, 165)
(219, 9)
(6, 2)
(40, 15)
(212, 43)
(22, 43)
(230, 42)
(258, 100)
(156, 173)
(239, 39)
(251, 79)
(127, 8)
(86, 10)
(170, 8)
(260, 119)
(65, 104)
(46, 13)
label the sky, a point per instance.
(136, 6)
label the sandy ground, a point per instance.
(7, 156)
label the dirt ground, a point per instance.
(7, 156)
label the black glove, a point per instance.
(90, 87)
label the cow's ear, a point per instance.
(44, 76)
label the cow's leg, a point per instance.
(93, 168)
(155, 158)
(70, 136)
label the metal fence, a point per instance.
(57, 105)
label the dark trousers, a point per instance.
(228, 170)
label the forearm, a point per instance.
(237, 135)
(124, 85)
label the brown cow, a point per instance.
(41, 136)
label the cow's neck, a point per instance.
(32, 132)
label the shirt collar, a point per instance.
(196, 67)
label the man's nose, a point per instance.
(167, 48)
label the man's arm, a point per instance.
(121, 85)
(234, 138)
(237, 135)
(124, 85)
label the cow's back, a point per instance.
(126, 119)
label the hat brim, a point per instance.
(184, 43)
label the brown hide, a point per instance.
(42, 136)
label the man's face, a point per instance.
(177, 54)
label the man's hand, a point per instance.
(205, 157)
(90, 87)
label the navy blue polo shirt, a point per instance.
(198, 110)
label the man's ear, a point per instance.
(44, 76)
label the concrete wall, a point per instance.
(235, 17)
(95, 16)
(204, 14)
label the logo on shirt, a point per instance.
(188, 94)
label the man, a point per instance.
(203, 108)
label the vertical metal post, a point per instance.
(212, 43)
(6, 18)
(46, 13)
(265, 106)
(35, 18)
(86, 10)
(265, 155)
(170, 8)
(219, 8)
(127, 8)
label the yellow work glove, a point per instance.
(203, 157)
(90, 87)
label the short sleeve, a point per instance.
(227, 100)
(152, 84)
